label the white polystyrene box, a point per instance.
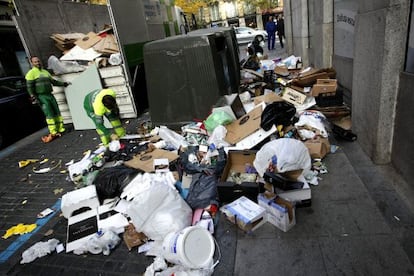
(84, 197)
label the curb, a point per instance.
(23, 142)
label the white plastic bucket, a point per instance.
(192, 247)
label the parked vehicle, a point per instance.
(18, 116)
(246, 34)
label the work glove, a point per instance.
(66, 83)
(33, 99)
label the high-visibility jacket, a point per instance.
(96, 110)
(39, 81)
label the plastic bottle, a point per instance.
(94, 245)
(108, 241)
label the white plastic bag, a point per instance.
(159, 211)
(217, 137)
(38, 250)
(172, 137)
(103, 242)
(313, 119)
(63, 67)
(115, 59)
(291, 154)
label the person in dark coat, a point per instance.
(280, 29)
(271, 30)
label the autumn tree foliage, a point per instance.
(193, 6)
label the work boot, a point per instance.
(50, 137)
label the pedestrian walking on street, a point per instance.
(39, 86)
(280, 29)
(271, 30)
(100, 103)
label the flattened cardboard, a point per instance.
(267, 98)
(88, 40)
(344, 122)
(145, 162)
(132, 238)
(244, 126)
(282, 71)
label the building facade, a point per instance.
(370, 44)
(224, 13)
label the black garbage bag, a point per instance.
(110, 182)
(203, 191)
(192, 168)
(277, 113)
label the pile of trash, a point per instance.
(79, 49)
(253, 160)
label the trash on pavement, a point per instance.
(26, 162)
(245, 213)
(53, 165)
(159, 210)
(45, 213)
(81, 198)
(19, 229)
(193, 247)
(38, 250)
(132, 238)
(280, 212)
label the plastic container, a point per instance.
(192, 247)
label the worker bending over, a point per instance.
(100, 103)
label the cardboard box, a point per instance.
(280, 212)
(145, 162)
(80, 228)
(310, 79)
(319, 147)
(244, 126)
(83, 226)
(245, 213)
(81, 198)
(108, 218)
(324, 86)
(294, 97)
(237, 161)
(229, 191)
